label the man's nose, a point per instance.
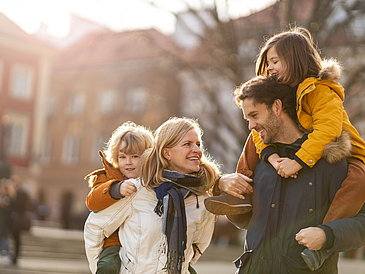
(251, 125)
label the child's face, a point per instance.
(274, 65)
(129, 164)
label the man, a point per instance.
(282, 206)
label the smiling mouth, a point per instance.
(194, 159)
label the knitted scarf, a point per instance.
(171, 206)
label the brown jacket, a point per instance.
(99, 197)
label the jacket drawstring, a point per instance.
(197, 201)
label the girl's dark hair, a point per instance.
(296, 50)
(265, 90)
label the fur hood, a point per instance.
(338, 149)
(331, 70)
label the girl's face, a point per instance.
(274, 65)
(129, 164)
(185, 156)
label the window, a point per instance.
(99, 143)
(21, 81)
(1, 74)
(50, 105)
(106, 101)
(70, 152)
(46, 150)
(137, 99)
(76, 104)
(17, 133)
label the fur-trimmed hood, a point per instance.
(338, 149)
(331, 70)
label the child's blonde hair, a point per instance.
(296, 50)
(137, 139)
(168, 135)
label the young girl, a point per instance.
(292, 57)
(108, 185)
(164, 226)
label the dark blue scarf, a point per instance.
(171, 206)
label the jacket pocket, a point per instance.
(297, 265)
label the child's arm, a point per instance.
(104, 194)
(322, 111)
(100, 225)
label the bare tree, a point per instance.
(223, 51)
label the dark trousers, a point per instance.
(109, 261)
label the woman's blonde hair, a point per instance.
(297, 51)
(168, 135)
(137, 139)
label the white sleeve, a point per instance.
(203, 235)
(102, 224)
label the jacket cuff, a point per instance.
(297, 159)
(114, 191)
(267, 152)
(330, 237)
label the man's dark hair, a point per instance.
(265, 90)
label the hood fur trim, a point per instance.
(338, 149)
(331, 70)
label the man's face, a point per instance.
(263, 120)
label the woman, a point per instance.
(164, 226)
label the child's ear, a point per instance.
(166, 153)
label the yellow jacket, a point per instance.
(319, 106)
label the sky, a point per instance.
(117, 15)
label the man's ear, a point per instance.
(277, 107)
(166, 153)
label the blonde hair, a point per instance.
(137, 139)
(168, 135)
(297, 51)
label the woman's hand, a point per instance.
(311, 237)
(127, 188)
(235, 184)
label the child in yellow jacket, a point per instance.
(124, 150)
(293, 59)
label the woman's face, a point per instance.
(185, 156)
(274, 64)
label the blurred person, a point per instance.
(292, 57)
(6, 194)
(109, 185)
(67, 200)
(20, 219)
(163, 226)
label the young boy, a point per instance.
(122, 162)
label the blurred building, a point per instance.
(98, 83)
(25, 67)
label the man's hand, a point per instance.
(235, 184)
(288, 167)
(311, 237)
(127, 188)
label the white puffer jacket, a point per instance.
(143, 243)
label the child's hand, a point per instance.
(273, 160)
(127, 188)
(288, 168)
